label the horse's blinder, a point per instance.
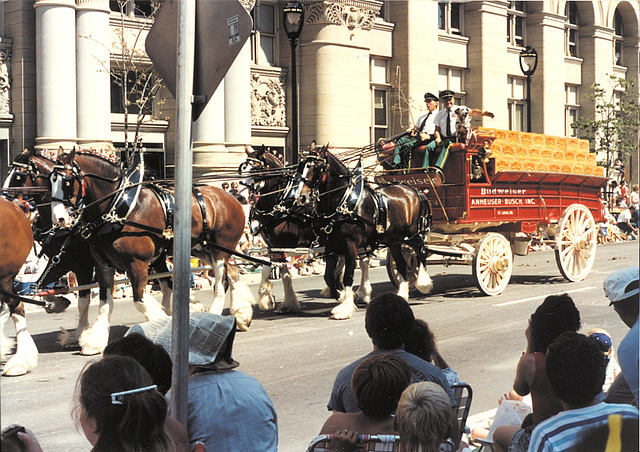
(68, 192)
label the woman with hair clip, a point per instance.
(120, 409)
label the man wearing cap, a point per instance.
(445, 127)
(621, 288)
(228, 410)
(422, 132)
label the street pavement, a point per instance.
(296, 357)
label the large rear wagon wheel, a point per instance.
(576, 240)
(492, 264)
(412, 268)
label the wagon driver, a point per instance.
(424, 129)
(445, 127)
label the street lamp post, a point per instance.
(528, 64)
(293, 19)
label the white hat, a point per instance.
(208, 333)
(621, 285)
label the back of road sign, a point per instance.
(222, 27)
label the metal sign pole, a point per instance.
(182, 237)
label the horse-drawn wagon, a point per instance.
(496, 192)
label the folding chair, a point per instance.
(371, 443)
(368, 443)
(464, 396)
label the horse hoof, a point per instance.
(342, 313)
(90, 351)
(288, 309)
(243, 316)
(16, 367)
(326, 292)
(196, 307)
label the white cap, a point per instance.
(621, 285)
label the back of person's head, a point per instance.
(617, 434)
(155, 359)
(423, 417)
(128, 422)
(575, 368)
(377, 384)
(388, 321)
(420, 341)
(622, 290)
(556, 315)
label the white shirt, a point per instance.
(441, 121)
(429, 125)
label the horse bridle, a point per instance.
(68, 182)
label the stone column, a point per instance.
(484, 24)
(596, 44)
(208, 135)
(237, 104)
(56, 73)
(335, 98)
(545, 32)
(92, 71)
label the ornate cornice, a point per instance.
(268, 106)
(350, 13)
(247, 4)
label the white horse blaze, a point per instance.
(58, 210)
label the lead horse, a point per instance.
(351, 216)
(16, 241)
(139, 238)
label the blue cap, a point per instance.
(603, 339)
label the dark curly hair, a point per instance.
(377, 384)
(388, 321)
(556, 315)
(576, 368)
(421, 341)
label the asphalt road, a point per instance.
(296, 357)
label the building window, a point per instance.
(450, 17)
(571, 30)
(137, 8)
(264, 34)
(453, 79)
(516, 15)
(572, 108)
(137, 96)
(380, 99)
(618, 33)
(516, 104)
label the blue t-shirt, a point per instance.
(342, 399)
(231, 411)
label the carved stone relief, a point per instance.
(248, 4)
(350, 13)
(5, 82)
(268, 106)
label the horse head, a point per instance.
(321, 174)
(66, 188)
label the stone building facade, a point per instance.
(363, 67)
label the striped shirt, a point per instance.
(564, 430)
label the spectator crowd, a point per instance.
(583, 399)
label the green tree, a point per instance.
(614, 131)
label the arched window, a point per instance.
(571, 29)
(618, 33)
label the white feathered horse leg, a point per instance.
(93, 340)
(364, 290)
(218, 288)
(241, 300)
(291, 302)
(266, 299)
(67, 339)
(6, 343)
(424, 284)
(346, 306)
(338, 275)
(26, 357)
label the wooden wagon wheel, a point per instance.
(492, 264)
(413, 267)
(576, 239)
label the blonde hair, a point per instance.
(423, 417)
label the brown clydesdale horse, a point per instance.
(16, 241)
(133, 242)
(351, 216)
